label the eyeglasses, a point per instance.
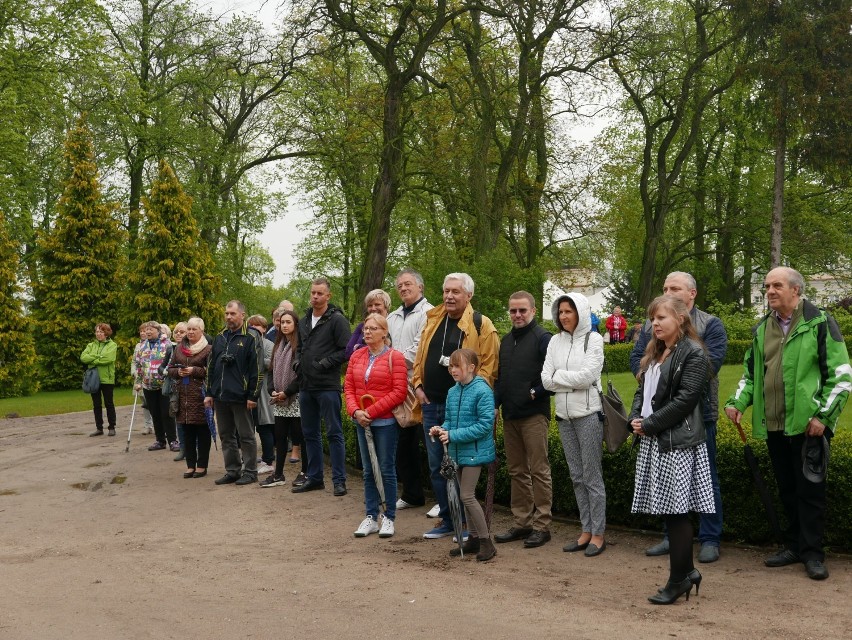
(518, 311)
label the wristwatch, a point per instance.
(532, 393)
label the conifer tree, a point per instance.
(80, 259)
(18, 376)
(172, 275)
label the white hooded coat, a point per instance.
(570, 372)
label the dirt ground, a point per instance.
(99, 543)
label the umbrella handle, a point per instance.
(742, 433)
(364, 400)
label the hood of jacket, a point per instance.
(584, 312)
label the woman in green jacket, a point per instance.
(101, 353)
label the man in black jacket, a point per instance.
(323, 335)
(526, 418)
(234, 376)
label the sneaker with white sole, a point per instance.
(265, 468)
(434, 512)
(402, 504)
(387, 528)
(441, 531)
(367, 526)
(272, 481)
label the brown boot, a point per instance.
(471, 546)
(486, 550)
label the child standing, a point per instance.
(468, 434)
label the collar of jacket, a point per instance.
(518, 333)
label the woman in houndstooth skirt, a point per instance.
(672, 470)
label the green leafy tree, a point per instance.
(17, 350)
(80, 258)
(172, 275)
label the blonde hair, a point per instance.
(383, 324)
(654, 350)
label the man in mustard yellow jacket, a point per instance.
(449, 326)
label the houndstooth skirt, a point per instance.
(288, 411)
(674, 482)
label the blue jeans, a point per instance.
(433, 415)
(385, 439)
(710, 524)
(316, 406)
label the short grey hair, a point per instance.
(378, 294)
(236, 303)
(795, 279)
(465, 279)
(195, 320)
(690, 281)
(414, 274)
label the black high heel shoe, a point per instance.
(672, 591)
(694, 576)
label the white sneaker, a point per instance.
(367, 526)
(402, 504)
(265, 468)
(434, 512)
(387, 528)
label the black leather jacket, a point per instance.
(677, 419)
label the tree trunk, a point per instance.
(778, 189)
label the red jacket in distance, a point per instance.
(616, 325)
(388, 382)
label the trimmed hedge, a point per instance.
(744, 516)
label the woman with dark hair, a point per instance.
(672, 469)
(572, 370)
(285, 399)
(188, 368)
(101, 353)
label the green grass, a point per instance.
(48, 403)
(729, 377)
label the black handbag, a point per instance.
(92, 380)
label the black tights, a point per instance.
(680, 546)
(287, 427)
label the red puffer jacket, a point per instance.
(388, 382)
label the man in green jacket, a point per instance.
(797, 377)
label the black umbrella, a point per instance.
(366, 401)
(762, 489)
(449, 471)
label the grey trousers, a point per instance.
(475, 516)
(233, 418)
(582, 440)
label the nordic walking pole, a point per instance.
(132, 416)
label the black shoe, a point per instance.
(199, 474)
(245, 479)
(694, 576)
(671, 592)
(471, 546)
(97, 432)
(111, 431)
(189, 473)
(340, 489)
(300, 480)
(573, 546)
(309, 485)
(782, 558)
(816, 570)
(536, 539)
(515, 533)
(226, 479)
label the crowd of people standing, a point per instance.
(284, 382)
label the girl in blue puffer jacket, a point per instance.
(469, 436)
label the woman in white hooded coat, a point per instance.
(572, 370)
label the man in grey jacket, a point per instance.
(405, 325)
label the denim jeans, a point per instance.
(315, 406)
(433, 414)
(385, 439)
(710, 524)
